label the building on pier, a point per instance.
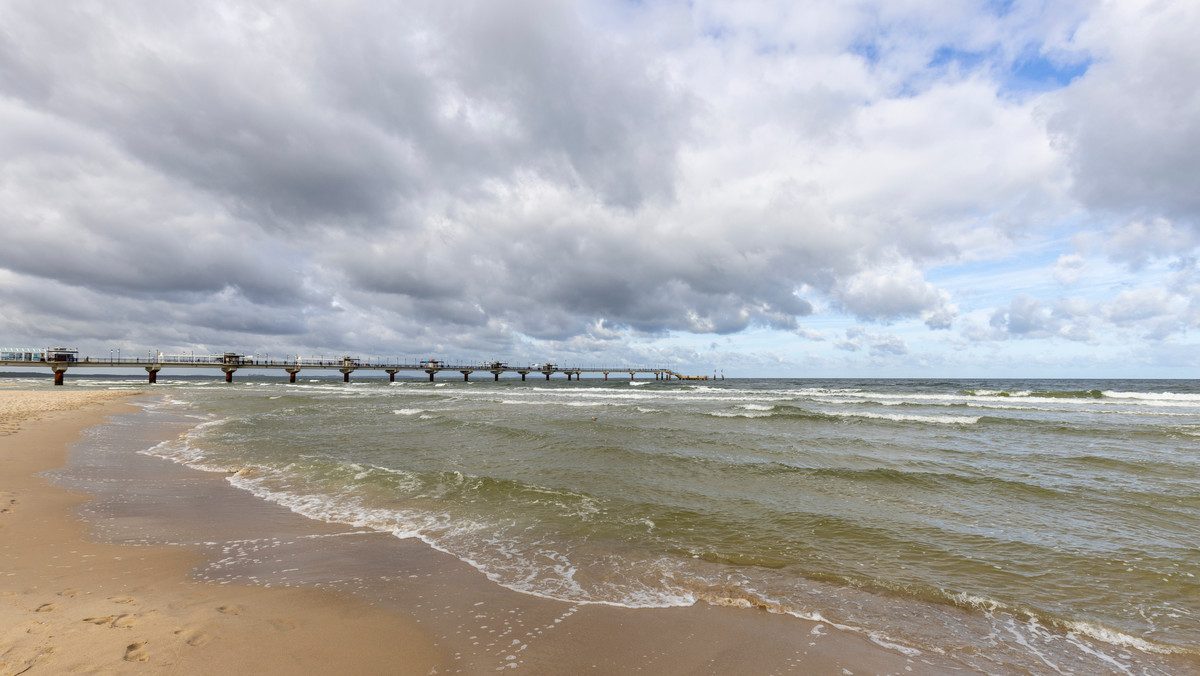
(62, 354)
(55, 354)
(22, 354)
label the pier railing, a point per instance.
(60, 359)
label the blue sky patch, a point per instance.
(1037, 73)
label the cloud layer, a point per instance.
(597, 179)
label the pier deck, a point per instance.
(59, 360)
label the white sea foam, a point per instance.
(983, 398)
(757, 407)
(898, 417)
(1156, 397)
(1072, 627)
(408, 411)
(740, 414)
(542, 572)
(877, 637)
(1167, 396)
(1113, 637)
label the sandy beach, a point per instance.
(71, 605)
(104, 593)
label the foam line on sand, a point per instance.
(72, 605)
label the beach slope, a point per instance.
(72, 605)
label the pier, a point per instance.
(59, 360)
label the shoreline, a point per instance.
(360, 593)
(70, 604)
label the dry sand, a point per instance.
(69, 605)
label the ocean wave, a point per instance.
(1155, 396)
(900, 417)
(794, 412)
(1054, 400)
(740, 414)
(757, 407)
(533, 568)
(1069, 627)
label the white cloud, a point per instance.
(1069, 268)
(507, 178)
(1131, 125)
(893, 292)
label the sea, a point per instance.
(1014, 526)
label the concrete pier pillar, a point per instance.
(631, 375)
(523, 374)
(547, 376)
(229, 376)
(497, 375)
(391, 375)
(292, 371)
(466, 376)
(431, 372)
(606, 375)
(345, 376)
(152, 372)
(58, 377)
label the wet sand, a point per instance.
(72, 605)
(195, 576)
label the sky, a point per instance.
(891, 188)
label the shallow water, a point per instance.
(1020, 526)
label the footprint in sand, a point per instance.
(70, 592)
(121, 599)
(136, 652)
(194, 638)
(125, 621)
(282, 624)
(100, 620)
(231, 610)
(45, 608)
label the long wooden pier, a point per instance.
(59, 360)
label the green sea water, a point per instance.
(1043, 526)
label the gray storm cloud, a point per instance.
(478, 175)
